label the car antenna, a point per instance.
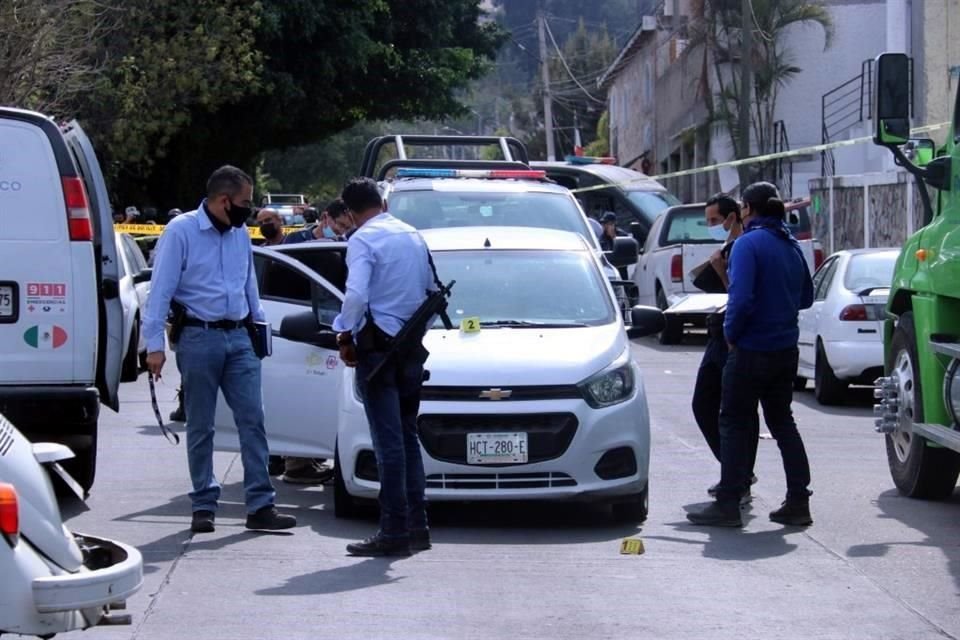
(486, 243)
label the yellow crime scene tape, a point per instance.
(157, 229)
(755, 159)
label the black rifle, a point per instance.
(412, 332)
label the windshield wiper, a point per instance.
(527, 323)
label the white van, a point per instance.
(61, 319)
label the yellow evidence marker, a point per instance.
(470, 325)
(631, 547)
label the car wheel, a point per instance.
(131, 363)
(828, 389)
(673, 329)
(83, 467)
(799, 383)
(344, 505)
(918, 470)
(633, 510)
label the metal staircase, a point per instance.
(842, 108)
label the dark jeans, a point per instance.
(706, 401)
(392, 402)
(765, 378)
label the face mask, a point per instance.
(269, 230)
(238, 215)
(329, 233)
(717, 232)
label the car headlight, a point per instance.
(951, 390)
(611, 386)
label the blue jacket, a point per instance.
(769, 284)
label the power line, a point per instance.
(567, 67)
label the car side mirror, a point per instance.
(303, 327)
(639, 234)
(892, 99)
(625, 252)
(645, 321)
(920, 151)
(793, 217)
(144, 276)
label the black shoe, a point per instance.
(420, 540)
(310, 474)
(275, 466)
(202, 522)
(793, 513)
(712, 491)
(378, 546)
(717, 515)
(268, 519)
(178, 415)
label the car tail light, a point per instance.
(862, 312)
(78, 209)
(9, 513)
(803, 235)
(817, 258)
(676, 268)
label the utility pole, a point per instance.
(746, 86)
(547, 100)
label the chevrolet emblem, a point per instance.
(495, 394)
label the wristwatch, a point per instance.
(344, 338)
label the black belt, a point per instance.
(223, 325)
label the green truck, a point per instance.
(918, 406)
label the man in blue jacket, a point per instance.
(769, 284)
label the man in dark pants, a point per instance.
(723, 222)
(205, 263)
(769, 284)
(389, 277)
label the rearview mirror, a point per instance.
(892, 99)
(303, 327)
(645, 321)
(919, 151)
(625, 252)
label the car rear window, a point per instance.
(870, 271)
(31, 192)
(686, 225)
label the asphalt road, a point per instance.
(874, 565)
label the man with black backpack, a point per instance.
(390, 279)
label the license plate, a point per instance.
(6, 301)
(496, 448)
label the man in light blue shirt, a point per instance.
(204, 262)
(389, 277)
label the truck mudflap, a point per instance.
(888, 391)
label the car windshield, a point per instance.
(652, 203)
(870, 271)
(444, 209)
(525, 288)
(687, 225)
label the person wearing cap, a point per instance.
(609, 223)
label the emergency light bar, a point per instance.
(590, 160)
(520, 174)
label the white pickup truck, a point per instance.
(677, 243)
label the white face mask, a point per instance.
(718, 233)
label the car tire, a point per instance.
(673, 329)
(131, 362)
(344, 505)
(634, 509)
(827, 388)
(799, 383)
(918, 470)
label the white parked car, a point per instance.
(134, 289)
(54, 581)
(549, 377)
(841, 335)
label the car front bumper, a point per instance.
(569, 476)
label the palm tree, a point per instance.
(719, 31)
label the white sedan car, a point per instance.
(841, 335)
(134, 290)
(53, 581)
(534, 395)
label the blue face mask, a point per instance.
(718, 233)
(328, 233)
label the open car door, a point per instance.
(302, 380)
(110, 310)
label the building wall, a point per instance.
(630, 103)
(936, 50)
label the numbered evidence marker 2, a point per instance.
(470, 325)
(631, 547)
